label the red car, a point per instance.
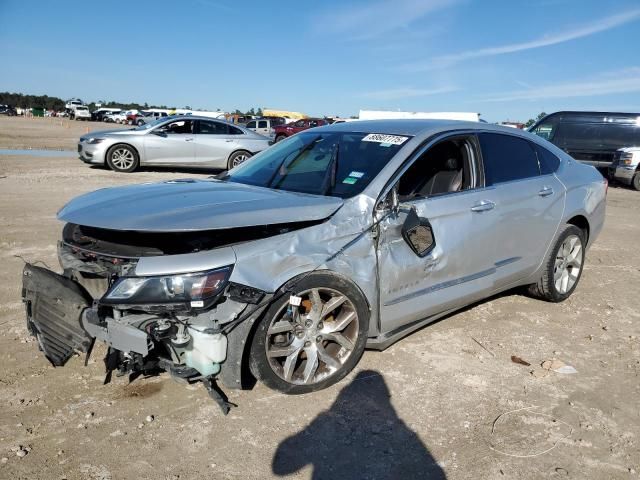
(284, 131)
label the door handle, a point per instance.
(188, 139)
(546, 191)
(483, 206)
(228, 140)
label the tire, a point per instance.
(280, 138)
(123, 158)
(237, 158)
(635, 183)
(281, 347)
(140, 122)
(563, 268)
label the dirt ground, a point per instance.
(446, 402)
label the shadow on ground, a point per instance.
(360, 436)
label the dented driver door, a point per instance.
(458, 270)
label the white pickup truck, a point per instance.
(625, 167)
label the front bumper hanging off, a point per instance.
(54, 307)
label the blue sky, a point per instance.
(508, 59)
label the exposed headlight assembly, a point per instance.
(169, 292)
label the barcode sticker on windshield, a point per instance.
(383, 138)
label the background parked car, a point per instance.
(99, 114)
(7, 110)
(148, 117)
(117, 117)
(590, 137)
(265, 126)
(283, 131)
(81, 112)
(625, 167)
(189, 141)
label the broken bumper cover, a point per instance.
(54, 306)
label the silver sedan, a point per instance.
(187, 141)
(335, 239)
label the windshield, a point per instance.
(339, 164)
(147, 126)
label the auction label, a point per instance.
(383, 138)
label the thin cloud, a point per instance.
(373, 19)
(408, 92)
(605, 24)
(625, 81)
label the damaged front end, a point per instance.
(183, 323)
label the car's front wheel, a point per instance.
(122, 158)
(311, 337)
(635, 183)
(279, 138)
(563, 267)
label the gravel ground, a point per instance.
(446, 402)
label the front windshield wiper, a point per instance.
(329, 180)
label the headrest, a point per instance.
(452, 164)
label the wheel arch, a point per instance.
(582, 223)
(236, 372)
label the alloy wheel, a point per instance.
(307, 343)
(568, 264)
(122, 158)
(238, 159)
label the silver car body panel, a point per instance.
(189, 150)
(476, 255)
(192, 205)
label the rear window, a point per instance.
(507, 158)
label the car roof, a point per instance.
(413, 127)
(421, 128)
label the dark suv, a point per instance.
(284, 131)
(590, 137)
(7, 110)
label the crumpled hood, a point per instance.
(192, 205)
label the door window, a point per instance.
(251, 125)
(179, 127)
(235, 130)
(212, 128)
(448, 166)
(507, 158)
(262, 124)
(549, 163)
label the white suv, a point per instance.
(81, 112)
(626, 166)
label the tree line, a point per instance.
(20, 100)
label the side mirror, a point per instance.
(417, 232)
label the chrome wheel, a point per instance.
(568, 264)
(305, 344)
(122, 158)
